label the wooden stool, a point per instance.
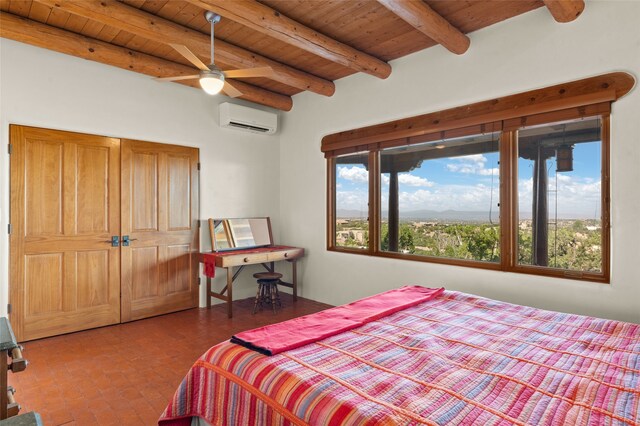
(267, 290)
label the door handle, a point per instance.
(114, 241)
(126, 240)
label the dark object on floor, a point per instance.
(26, 419)
(267, 290)
(9, 348)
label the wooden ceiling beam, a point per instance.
(266, 20)
(423, 18)
(34, 33)
(135, 21)
(565, 10)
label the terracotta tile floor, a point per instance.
(126, 374)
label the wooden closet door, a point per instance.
(64, 273)
(159, 205)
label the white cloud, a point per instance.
(451, 197)
(352, 200)
(472, 164)
(409, 180)
(412, 180)
(488, 172)
(577, 197)
(354, 174)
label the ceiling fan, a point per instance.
(212, 78)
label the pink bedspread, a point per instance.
(275, 338)
(456, 359)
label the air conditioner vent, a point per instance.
(248, 127)
(248, 119)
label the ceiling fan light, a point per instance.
(211, 84)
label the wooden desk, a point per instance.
(266, 256)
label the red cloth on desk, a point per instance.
(209, 259)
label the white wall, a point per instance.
(524, 53)
(240, 170)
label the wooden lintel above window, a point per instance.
(575, 94)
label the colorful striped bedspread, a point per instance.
(454, 360)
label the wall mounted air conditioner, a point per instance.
(248, 119)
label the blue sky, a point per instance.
(465, 184)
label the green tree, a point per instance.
(482, 243)
(525, 254)
(405, 239)
(384, 231)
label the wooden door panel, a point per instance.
(144, 199)
(145, 279)
(64, 275)
(93, 272)
(179, 268)
(159, 212)
(41, 326)
(43, 178)
(149, 307)
(179, 185)
(43, 283)
(92, 189)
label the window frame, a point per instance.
(508, 152)
(605, 204)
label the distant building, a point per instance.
(421, 224)
(525, 224)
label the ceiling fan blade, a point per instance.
(250, 72)
(230, 91)
(178, 77)
(184, 51)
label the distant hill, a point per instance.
(447, 215)
(426, 215)
(352, 214)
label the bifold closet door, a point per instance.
(65, 208)
(159, 215)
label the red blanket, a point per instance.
(287, 335)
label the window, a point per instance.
(442, 198)
(352, 201)
(526, 194)
(560, 199)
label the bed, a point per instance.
(447, 358)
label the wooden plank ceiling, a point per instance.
(308, 44)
